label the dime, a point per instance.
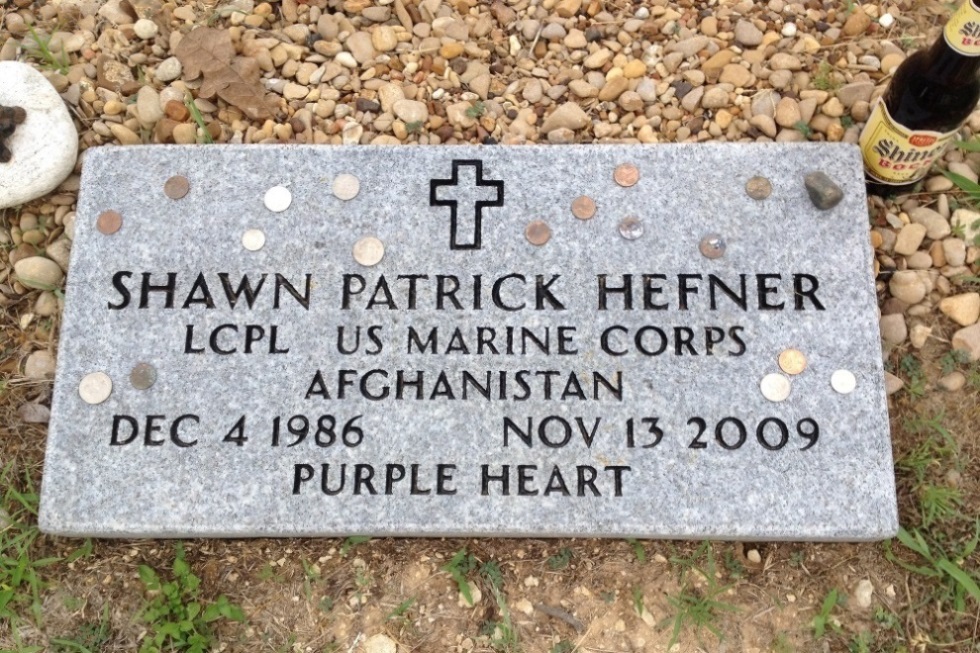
(368, 251)
(95, 388)
(775, 387)
(843, 381)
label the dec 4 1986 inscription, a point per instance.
(594, 340)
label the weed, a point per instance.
(952, 360)
(823, 619)
(734, 566)
(862, 643)
(414, 127)
(561, 559)
(351, 542)
(310, 575)
(461, 564)
(177, 619)
(43, 44)
(938, 503)
(824, 78)
(846, 122)
(607, 597)
(21, 581)
(694, 607)
(198, 118)
(781, 644)
(638, 601)
(400, 610)
(912, 368)
(477, 110)
(90, 636)
(956, 583)
(973, 376)
(268, 572)
(638, 550)
(564, 646)
(805, 129)
(503, 635)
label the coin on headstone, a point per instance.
(775, 387)
(583, 207)
(792, 361)
(537, 232)
(843, 381)
(758, 188)
(108, 222)
(346, 187)
(95, 388)
(626, 175)
(369, 251)
(630, 227)
(253, 240)
(278, 199)
(177, 187)
(142, 376)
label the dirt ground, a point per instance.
(537, 596)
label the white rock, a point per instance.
(954, 250)
(388, 95)
(39, 365)
(38, 272)
(789, 30)
(569, 115)
(169, 69)
(919, 334)
(893, 329)
(967, 340)
(863, 593)
(148, 106)
(145, 28)
(411, 111)
(907, 286)
(936, 225)
(886, 20)
(380, 643)
(44, 146)
(909, 239)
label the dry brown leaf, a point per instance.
(238, 84)
(205, 49)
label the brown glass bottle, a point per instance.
(930, 96)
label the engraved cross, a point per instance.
(466, 193)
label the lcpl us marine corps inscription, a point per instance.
(444, 341)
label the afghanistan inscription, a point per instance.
(592, 340)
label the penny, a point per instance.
(775, 387)
(626, 175)
(792, 361)
(108, 222)
(537, 232)
(758, 188)
(583, 207)
(176, 187)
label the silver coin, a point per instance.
(278, 199)
(775, 387)
(253, 240)
(95, 388)
(843, 381)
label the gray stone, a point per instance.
(614, 378)
(44, 146)
(824, 192)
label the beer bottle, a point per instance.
(930, 96)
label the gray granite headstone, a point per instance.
(506, 368)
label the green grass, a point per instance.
(461, 564)
(945, 562)
(638, 550)
(698, 608)
(352, 542)
(824, 79)
(177, 619)
(561, 559)
(916, 380)
(199, 119)
(824, 618)
(42, 43)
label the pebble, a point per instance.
(906, 286)
(380, 643)
(967, 340)
(145, 28)
(747, 33)
(789, 30)
(583, 89)
(410, 111)
(613, 89)
(893, 329)
(44, 146)
(60, 252)
(936, 225)
(787, 112)
(360, 46)
(893, 383)
(886, 20)
(148, 106)
(736, 75)
(823, 192)
(569, 116)
(964, 309)
(919, 334)
(954, 251)
(39, 272)
(865, 590)
(169, 69)
(856, 23)
(953, 381)
(891, 61)
(784, 61)
(384, 38)
(46, 304)
(40, 365)
(909, 239)
(850, 94)
(689, 46)
(715, 98)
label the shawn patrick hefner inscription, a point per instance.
(594, 341)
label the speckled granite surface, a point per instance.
(449, 420)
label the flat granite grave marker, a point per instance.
(622, 341)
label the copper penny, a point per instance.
(626, 175)
(177, 187)
(108, 222)
(538, 232)
(758, 188)
(792, 361)
(583, 207)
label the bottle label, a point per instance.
(896, 155)
(962, 32)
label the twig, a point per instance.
(560, 614)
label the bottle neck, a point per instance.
(947, 66)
